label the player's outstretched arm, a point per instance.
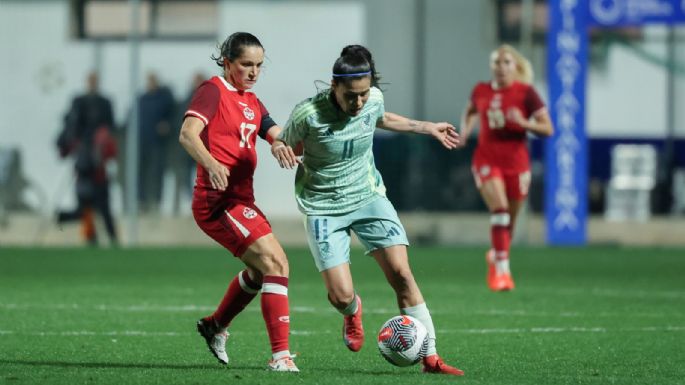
(284, 154)
(468, 120)
(444, 132)
(190, 140)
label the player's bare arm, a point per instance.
(190, 140)
(540, 124)
(444, 132)
(468, 121)
(284, 154)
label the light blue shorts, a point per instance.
(377, 226)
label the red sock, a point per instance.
(500, 233)
(241, 291)
(276, 312)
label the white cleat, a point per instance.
(215, 339)
(285, 364)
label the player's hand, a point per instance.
(446, 134)
(218, 176)
(284, 154)
(516, 120)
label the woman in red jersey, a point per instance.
(219, 131)
(508, 108)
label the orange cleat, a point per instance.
(353, 330)
(435, 364)
(502, 282)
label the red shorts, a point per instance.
(516, 182)
(235, 225)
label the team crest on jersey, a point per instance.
(249, 114)
(367, 122)
(249, 213)
(484, 171)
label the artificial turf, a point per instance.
(595, 315)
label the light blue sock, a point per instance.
(421, 313)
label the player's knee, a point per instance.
(275, 263)
(255, 275)
(402, 279)
(340, 298)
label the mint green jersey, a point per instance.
(338, 174)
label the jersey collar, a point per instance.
(496, 87)
(227, 84)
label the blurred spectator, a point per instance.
(181, 163)
(87, 136)
(156, 110)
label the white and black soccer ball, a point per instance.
(403, 340)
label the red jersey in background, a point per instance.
(502, 143)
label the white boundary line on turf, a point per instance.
(325, 310)
(137, 308)
(534, 330)
(570, 329)
(641, 294)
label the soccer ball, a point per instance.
(403, 340)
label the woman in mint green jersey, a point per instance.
(340, 190)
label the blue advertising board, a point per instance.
(621, 13)
(566, 154)
(566, 150)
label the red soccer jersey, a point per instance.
(501, 142)
(233, 119)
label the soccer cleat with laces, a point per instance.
(353, 331)
(285, 364)
(435, 364)
(215, 338)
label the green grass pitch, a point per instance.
(596, 315)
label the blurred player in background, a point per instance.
(340, 190)
(87, 135)
(508, 108)
(219, 131)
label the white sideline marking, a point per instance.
(130, 308)
(535, 330)
(670, 294)
(524, 313)
(308, 309)
(171, 309)
(570, 329)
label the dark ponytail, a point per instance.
(355, 59)
(363, 51)
(232, 47)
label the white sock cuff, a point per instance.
(244, 285)
(500, 219)
(352, 307)
(282, 354)
(417, 309)
(274, 288)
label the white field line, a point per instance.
(569, 329)
(534, 330)
(171, 308)
(613, 293)
(148, 308)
